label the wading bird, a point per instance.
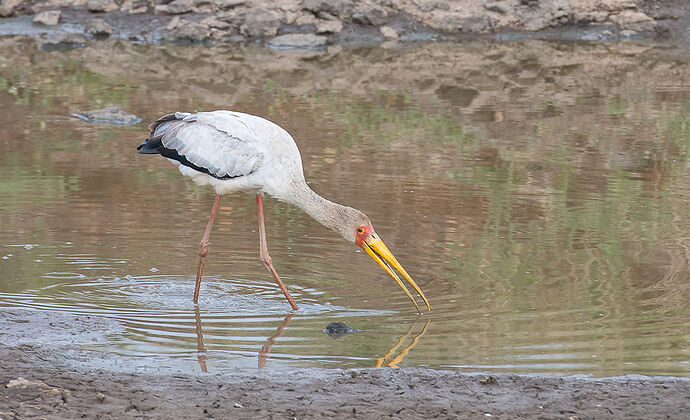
(232, 151)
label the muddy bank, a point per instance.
(32, 387)
(52, 370)
(319, 23)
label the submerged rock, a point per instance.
(111, 114)
(338, 329)
(309, 41)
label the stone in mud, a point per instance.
(454, 23)
(634, 20)
(177, 7)
(370, 15)
(333, 7)
(48, 17)
(229, 4)
(7, 7)
(308, 41)
(488, 380)
(212, 22)
(497, 7)
(173, 23)
(329, 26)
(389, 32)
(111, 114)
(186, 30)
(260, 23)
(430, 6)
(135, 6)
(99, 27)
(338, 329)
(102, 6)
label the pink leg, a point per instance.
(203, 247)
(263, 252)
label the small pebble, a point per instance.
(488, 380)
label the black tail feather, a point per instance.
(151, 145)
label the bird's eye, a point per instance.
(360, 230)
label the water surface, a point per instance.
(537, 191)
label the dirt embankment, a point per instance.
(314, 23)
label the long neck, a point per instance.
(330, 214)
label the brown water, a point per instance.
(538, 192)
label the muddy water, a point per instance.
(537, 191)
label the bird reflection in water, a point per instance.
(270, 341)
(200, 349)
(390, 358)
(394, 361)
(263, 353)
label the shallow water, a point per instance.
(537, 191)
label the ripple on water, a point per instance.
(235, 319)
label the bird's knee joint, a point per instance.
(203, 250)
(266, 259)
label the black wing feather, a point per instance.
(154, 144)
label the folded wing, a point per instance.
(218, 144)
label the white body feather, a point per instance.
(254, 155)
(261, 155)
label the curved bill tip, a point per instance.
(379, 252)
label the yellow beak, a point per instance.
(379, 252)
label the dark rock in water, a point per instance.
(111, 114)
(338, 329)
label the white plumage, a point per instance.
(232, 151)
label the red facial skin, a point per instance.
(364, 234)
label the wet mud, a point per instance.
(32, 388)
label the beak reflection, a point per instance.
(393, 361)
(379, 252)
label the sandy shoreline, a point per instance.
(46, 372)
